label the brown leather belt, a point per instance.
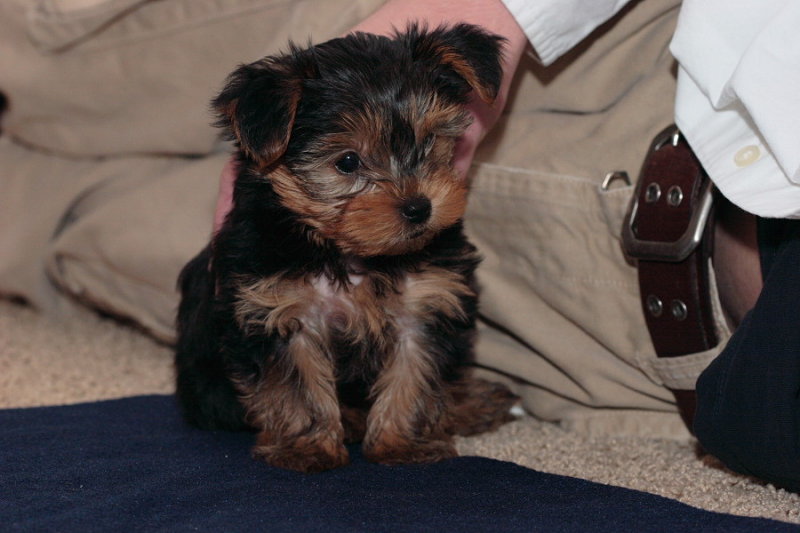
(668, 231)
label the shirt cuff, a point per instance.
(736, 157)
(553, 27)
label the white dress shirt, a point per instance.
(738, 94)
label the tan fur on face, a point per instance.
(294, 195)
(448, 195)
(372, 224)
(360, 212)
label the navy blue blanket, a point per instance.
(132, 465)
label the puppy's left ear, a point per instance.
(468, 52)
(257, 107)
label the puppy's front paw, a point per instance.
(411, 452)
(303, 455)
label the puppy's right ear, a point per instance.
(468, 52)
(257, 107)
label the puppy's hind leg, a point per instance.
(477, 406)
(206, 395)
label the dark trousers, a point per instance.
(748, 413)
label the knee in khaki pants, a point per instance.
(561, 319)
(561, 315)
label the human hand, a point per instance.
(492, 16)
(225, 192)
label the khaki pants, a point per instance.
(109, 168)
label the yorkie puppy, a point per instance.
(337, 302)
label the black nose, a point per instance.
(417, 210)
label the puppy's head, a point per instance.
(357, 134)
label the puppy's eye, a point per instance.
(348, 163)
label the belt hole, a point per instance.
(674, 196)
(679, 310)
(654, 305)
(652, 193)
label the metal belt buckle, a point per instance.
(671, 251)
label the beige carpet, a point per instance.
(89, 358)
